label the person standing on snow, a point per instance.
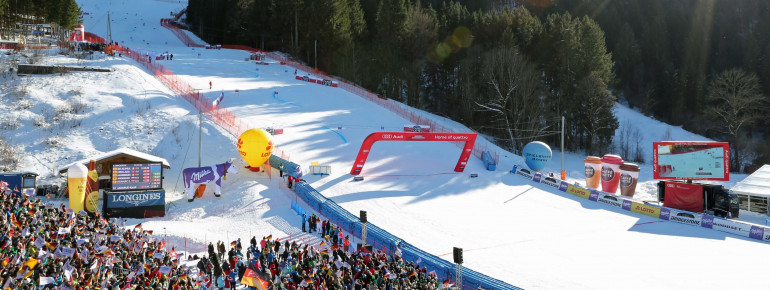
(304, 219)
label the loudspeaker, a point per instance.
(363, 216)
(457, 254)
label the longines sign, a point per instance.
(135, 199)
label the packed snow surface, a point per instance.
(523, 233)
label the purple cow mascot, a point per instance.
(202, 175)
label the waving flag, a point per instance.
(253, 279)
(218, 100)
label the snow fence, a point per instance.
(383, 240)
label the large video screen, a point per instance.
(691, 160)
(137, 176)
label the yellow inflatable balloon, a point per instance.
(255, 146)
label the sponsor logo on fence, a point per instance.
(732, 227)
(626, 204)
(563, 186)
(609, 199)
(594, 195)
(645, 209)
(525, 173)
(757, 233)
(665, 213)
(578, 191)
(327, 82)
(687, 218)
(537, 177)
(707, 221)
(552, 182)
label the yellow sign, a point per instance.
(255, 146)
(644, 209)
(581, 192)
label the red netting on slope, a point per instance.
(396, 107)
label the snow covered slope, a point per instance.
(526, 234)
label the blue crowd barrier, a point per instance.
(383, 240)
(289, 167)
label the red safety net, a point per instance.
(402, 110)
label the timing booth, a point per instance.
(754, 191)
(130, 182)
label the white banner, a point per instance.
(551, 181)
(732, 227)
(686, 217)
(610, 199)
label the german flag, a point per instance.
(253, 279)
(414, 273)
(148, 232)
(234, 243)
(138, 226)
(270, 237)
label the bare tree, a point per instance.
(512, 92)
(735, 100)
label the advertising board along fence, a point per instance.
(751, 231)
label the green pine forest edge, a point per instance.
(65, 14)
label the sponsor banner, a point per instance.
(645, 209)
(552, 182)
(684, 217)
(626, 204)
(537, 177)
(578, 191)
(594, 195)
(135, 199)
(665, 213)
(732, 227)
(707, 222)
(609, 199)
(563, 186)
(766, 236)
(757, 233)
(525, 173)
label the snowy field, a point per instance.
(526, 234)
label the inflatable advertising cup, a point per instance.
(536, 155)
(611, 172)
(593, 171)
(629, 175)
(76, 182)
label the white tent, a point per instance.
(755, 190)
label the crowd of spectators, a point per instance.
(52, 247)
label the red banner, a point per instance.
(684, 196)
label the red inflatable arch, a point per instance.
(468, 138)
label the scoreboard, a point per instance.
(137, 176)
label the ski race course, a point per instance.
(520, 231)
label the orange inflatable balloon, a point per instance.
(255, 146)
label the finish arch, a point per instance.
(468, 138)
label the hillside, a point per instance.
(526, 234)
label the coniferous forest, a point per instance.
(512, 68)
(64, 13)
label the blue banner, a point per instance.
(135, 199)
